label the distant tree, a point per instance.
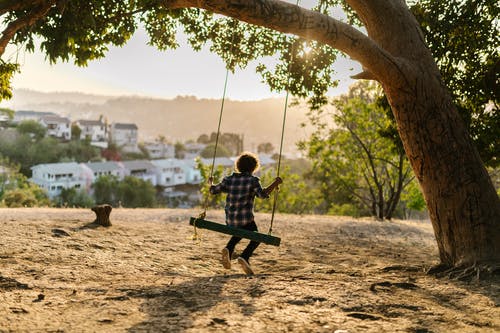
(105, 190)
(161, 139)
(79, 151)
(33, 128)
(71, 197)
(8, 112)
(180, 150)
(266, 148)
(203, 139)
(295, 195)
(208, 200)
(135, 192)
(16, 190)
(76, 132)
(412, 200)
(352, 157)
(208, 151)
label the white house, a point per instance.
(159, 150)
(58, 127)
(193, 149)
(141, 169)
(124, 136)
(193, 175)
(170, 172)
(54, 177)
(99, 169)
(23, 115)
(94, 130)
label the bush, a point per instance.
(20, 198)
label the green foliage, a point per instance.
(71, 197)
(413, 198)
(346, 209)
(105, 190)
(209, 200)
(78, 29)
(19, 197)
(353, 163)
(32, 128)
(180, 150)
(295, 195)
(76, 131)
(16, 190)
(7, 71)
(135, 192)
(27, 151)
(230, 143)
(208, 151)
(8, 112)
(464, 37)
(131, 192)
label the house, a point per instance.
(99, 169)
(169, 172)
(58, 127)
(193, 175)
(23, 115)
(193, 149)
(124, 136)
(53, 177)
(158, 150)
(141, 169)
(95, 131)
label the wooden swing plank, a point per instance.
(225, 229)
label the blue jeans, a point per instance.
(247, 253)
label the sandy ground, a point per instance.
(145, 274)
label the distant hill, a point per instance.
(178, 119)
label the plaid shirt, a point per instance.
(241, 189)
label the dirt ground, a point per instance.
(146, 274)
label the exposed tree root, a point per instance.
(475, 272)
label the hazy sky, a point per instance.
(139, 69)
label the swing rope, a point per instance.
(202, 215)
(276, 192)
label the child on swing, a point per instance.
(241, 188)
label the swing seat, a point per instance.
(225, 229)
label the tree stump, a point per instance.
(102, 215)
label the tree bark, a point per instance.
(102, 213)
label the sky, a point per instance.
(140, 69)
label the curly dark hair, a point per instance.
(247, 162)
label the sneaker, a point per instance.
(226, 259)
(245, 266)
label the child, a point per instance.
(241, 188)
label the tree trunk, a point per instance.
(463, 205)
(102, 215)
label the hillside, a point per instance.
(178, 119)
(145, 274)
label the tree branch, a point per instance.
(14, 26)
(288, 18)
(10, 5)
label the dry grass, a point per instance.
(145, 274)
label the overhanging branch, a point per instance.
(34, 15)
(288, 18)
